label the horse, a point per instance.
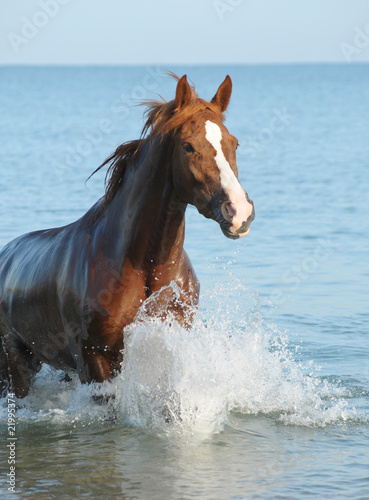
(67, 294)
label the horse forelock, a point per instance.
(164, 117)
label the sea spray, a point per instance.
(190, 380)
(230, 360)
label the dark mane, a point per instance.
(162, 118)
(118, 162)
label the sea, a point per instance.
(268, 391)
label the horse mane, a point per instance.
(162, 118)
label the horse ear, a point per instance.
(223, 94)
(183, 92)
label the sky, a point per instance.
(183, 31)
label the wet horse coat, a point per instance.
(66, 294)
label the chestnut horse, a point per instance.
(66, 294)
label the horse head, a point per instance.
(205, 173)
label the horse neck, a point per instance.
(145, 212)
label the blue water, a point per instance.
(273, 379)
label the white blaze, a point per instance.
(240, 208)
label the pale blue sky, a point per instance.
(183, 31)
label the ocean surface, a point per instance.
(272, 381)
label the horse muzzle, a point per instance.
(236, 218)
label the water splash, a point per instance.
(191, 380)
(230, 360)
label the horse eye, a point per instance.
(188, 147)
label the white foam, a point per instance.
(190, 381)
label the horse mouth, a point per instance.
(217, 210)
(234, 234)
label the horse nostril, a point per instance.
(231, 209)
(228, 210)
